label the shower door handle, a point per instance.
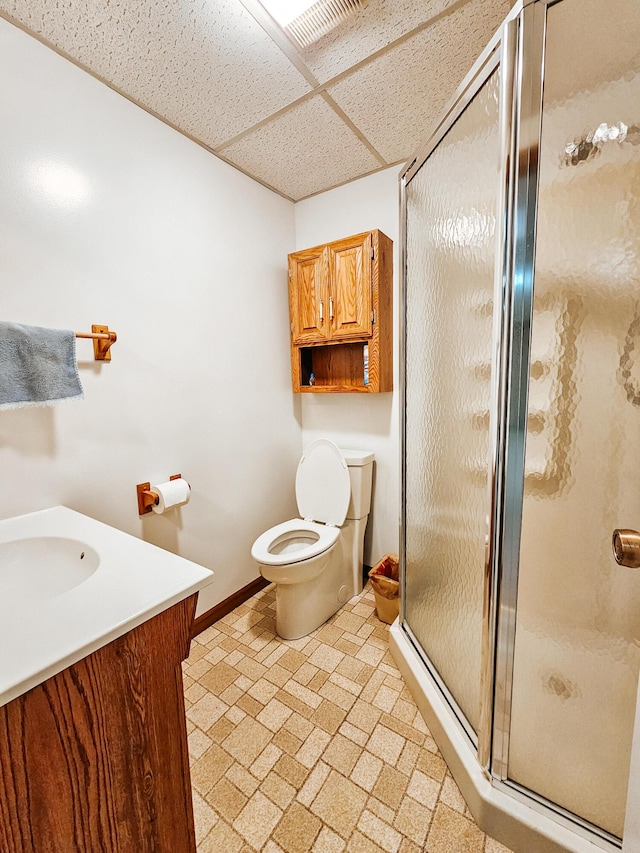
(626, 548)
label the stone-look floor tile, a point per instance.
(312, 748)
(249, 705)
(199, 743)
(318, 680)
(354, 734)
(279, 792)
(235, 715)
(386, 744)
(339, 803)
(315, 744)
(328, 842)
(195, 692)
(385, 699)
(292, 660)
(263, 690)
(297, 829)
(424, 789)
(367, 770)
(299, 726)
(409, 847)
(219, 731)
(314, 782)
(210, 767)
(226, 799)
(364, 716)
(221, 837)
(291, 770)
(450, 795)
(390, 787)
(452, 833)
(412, 820)
(408, 758)
(328, 716)
(203, 816)
(247, 740)
(206, 711)
(404, 711)
(242, 779)
(342, 754)
(219, 677)
(338, 695)
(288, 742)
(328, 634)
(381, 810)
(274, 714)
(278, 675)
(305, 673)
(379, 832)
(348, 621)
(265, 761)
(359, 843)
(257, 820)
(432, 765)
(326, 657)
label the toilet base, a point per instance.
(303, 607)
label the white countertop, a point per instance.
(44, 628)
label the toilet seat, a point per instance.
(264, 548)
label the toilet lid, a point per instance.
(323, 487)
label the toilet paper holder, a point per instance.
(148, 499)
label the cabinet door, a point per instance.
(308, 295)
(350, 287)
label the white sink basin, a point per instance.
(43, 567)
(70, 584)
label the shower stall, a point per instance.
(519, 632)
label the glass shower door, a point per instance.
(577, 641)
(451, 204)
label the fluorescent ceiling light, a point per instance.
(285, 11)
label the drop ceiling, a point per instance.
(299, 121)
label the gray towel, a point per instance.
(38, 366)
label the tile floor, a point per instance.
(314, 744)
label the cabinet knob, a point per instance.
(321, 311)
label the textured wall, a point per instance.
(361, 421)
(109, 216)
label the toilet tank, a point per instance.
(360, 464)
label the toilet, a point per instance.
(316, 561)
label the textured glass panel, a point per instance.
(578, 618)
(451, 216)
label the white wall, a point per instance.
(185, 258)
(361, 421)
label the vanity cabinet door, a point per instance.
(350, 287)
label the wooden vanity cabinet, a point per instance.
(95, 758)
(340, 299)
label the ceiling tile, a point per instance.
(406, 89)
(371, 29)
(305, 150)
(205, 66)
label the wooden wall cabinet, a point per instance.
(95, 758)
(341, 309)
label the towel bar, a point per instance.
(102, 340)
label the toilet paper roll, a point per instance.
(170, 494)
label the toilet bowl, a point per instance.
(316, 560)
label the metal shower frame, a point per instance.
(518, 50)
